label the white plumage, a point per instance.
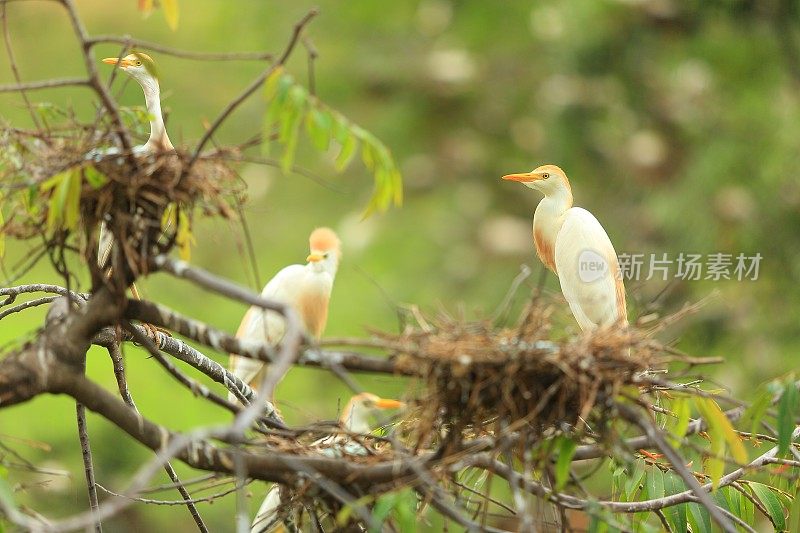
(305, 288)
(572, 243)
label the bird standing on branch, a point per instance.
(355, 418)
(141, 68)
(305, 288)
(571, 242)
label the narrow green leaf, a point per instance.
(566, 449)
(677, 426)
(94, 177)
(698, 518)
(632, 484)
(755, 413)
(771, 504)
(719, 423)
(793, 523)
(349, 145)
(2, 232)
(654, 483)
(787, 409)
(319, 125)
(271, 83)
(676, 514)
(406, 511)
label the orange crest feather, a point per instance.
(323, 240)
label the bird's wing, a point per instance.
(268, 511)
(589, 271)
(264, 326)
(105, 246)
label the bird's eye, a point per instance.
(138, 63)
(545, 175)
(325, 255)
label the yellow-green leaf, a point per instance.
(677, 426)
(171, 13)
(318, 127)
(346, 152)
(64, 205)
(719, 423)
(94, 177)
(184, 238)
(566, 449)
(787, 409)
(271, 83)
(2, 231)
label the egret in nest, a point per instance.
(141, 68)
(304, 288)
(571, 242)
(355, 419)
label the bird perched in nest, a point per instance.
(355, 418)
(571, 242)
(305, 288)
(141, 68)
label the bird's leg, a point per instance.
(152, 331)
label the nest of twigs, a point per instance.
(144, 200)
(479, 379)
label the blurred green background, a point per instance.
(677, 123)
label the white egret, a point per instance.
(571, 242)
(355, 418)
(306, 288)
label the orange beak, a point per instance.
(314, 257)
(389, 404)
(114, 61)
(523, 177)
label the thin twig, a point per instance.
(122, 383)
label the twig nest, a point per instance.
(479, 379)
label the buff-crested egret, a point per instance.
(356, 417)
(305, 288)
(571, 242)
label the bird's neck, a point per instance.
(159, 140)
(355, 420)
(549, 215)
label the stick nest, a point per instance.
(65, 181)
(478, 379)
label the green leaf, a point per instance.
(184, 238)
(319, 125)
(2, 232)
(171, 13)
(632, 484)
(406, 511)
(676, 514)
(698, 518)
(271, 83)
(677, 426)
(755, 413)
(770, 503)
(654, 483)
(793, 523)
(566, 449)
(787, 409)
(64, 205)
(721, 433)
(383, 507)
(348, 149)
(94, 177)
